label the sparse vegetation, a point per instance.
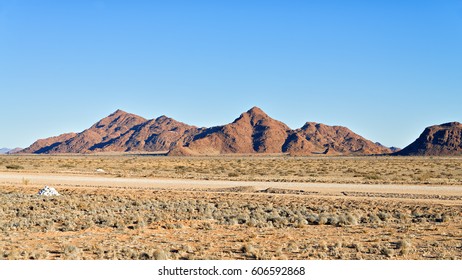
(362, 170)
(14, 167)
(137, 224)
(241, 222)
(25, 181)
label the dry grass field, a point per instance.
(88, 222)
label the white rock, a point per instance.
(48, 191)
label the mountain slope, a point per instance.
(437, 140)
(44, 146)
(253, 132)
(336, 140)
(90, 139)
(160, 134)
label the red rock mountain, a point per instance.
(158, 135)
(45, 146)
(253, 132)
(90, 139)
(324, 139)
(437, 140)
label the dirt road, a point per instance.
(103, 181)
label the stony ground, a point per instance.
(100, 223)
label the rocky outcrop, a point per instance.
(437, 140)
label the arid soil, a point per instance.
(101, 215)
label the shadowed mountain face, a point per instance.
(253, 132)
(437, 140)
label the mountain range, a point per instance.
(253, 132)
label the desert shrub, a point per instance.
(312, 218)
(70, 252)
(383, 216)
(38, 255)
(13, 254)
(250, 251)
(386, 252)
(322, 219)
(25, 181)
(160, 254)
(372, 177)
(347, 219)
(405, 247)
(14, 167)
(372, 218)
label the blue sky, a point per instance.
(385, 69)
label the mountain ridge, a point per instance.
(253, 132)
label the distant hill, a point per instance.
(437, 140)
(252, 132)
(393, 149)
(5, 151)
(15, 151)
(92, 139)
(338, 140)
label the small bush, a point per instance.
(14, 167)
(25, 181)
(71, 252)
(387, 252)
(405, 247)
(160, 255)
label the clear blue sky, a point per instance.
(385, 69)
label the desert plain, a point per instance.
(149, 206)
